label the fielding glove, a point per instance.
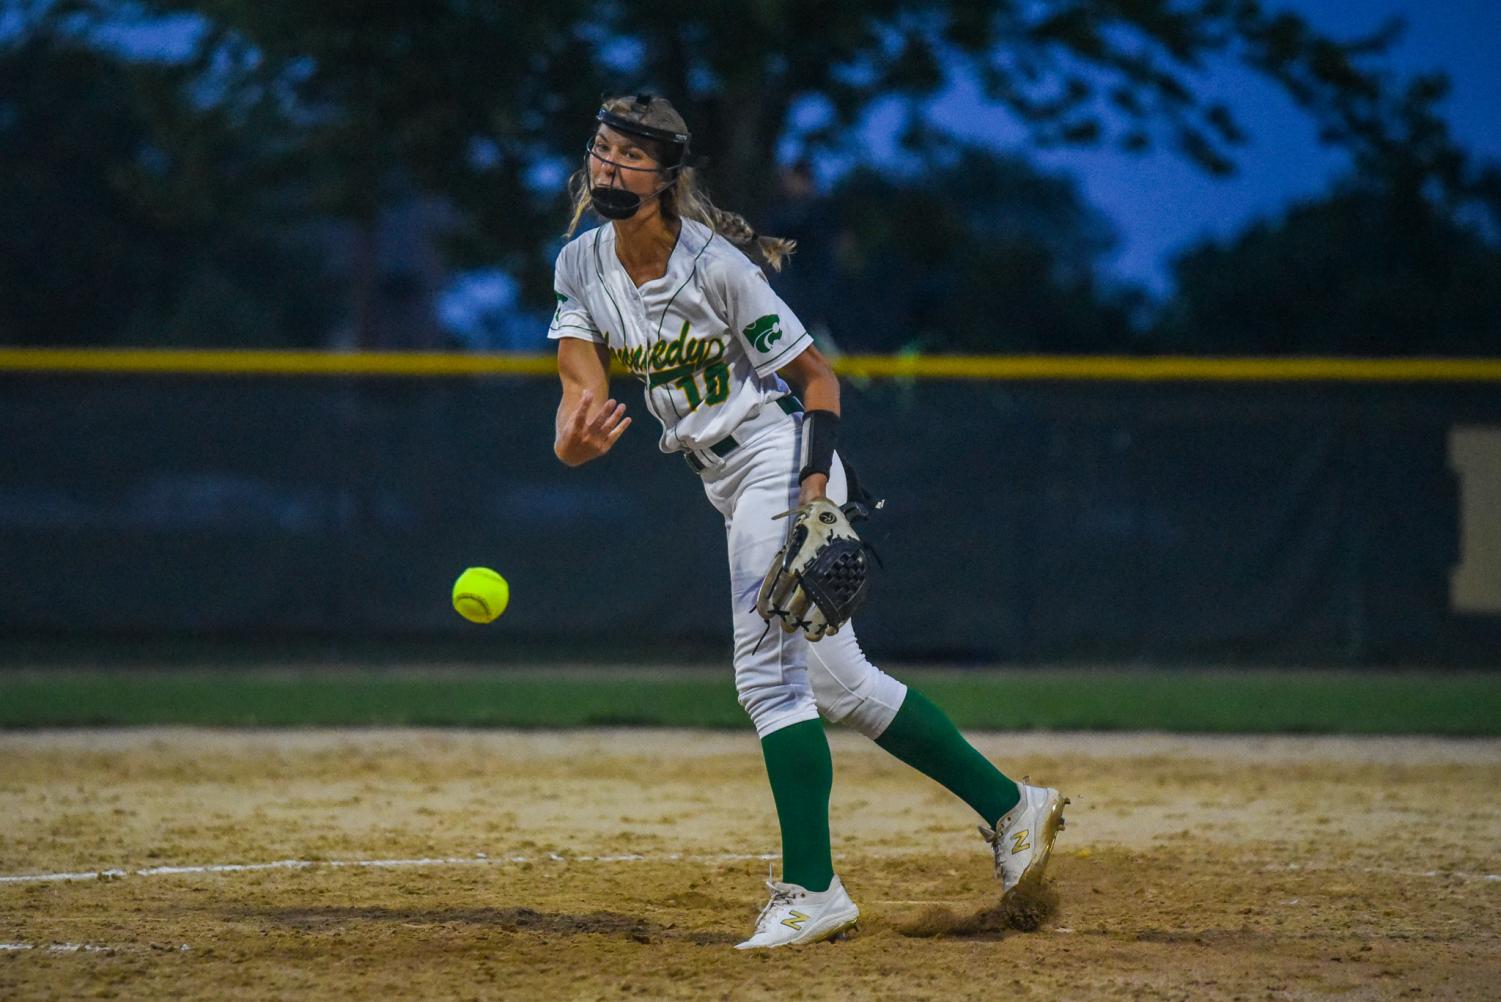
(820, 576)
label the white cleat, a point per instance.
(796, 915)
(1023, 838)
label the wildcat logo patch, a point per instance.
(765, 332)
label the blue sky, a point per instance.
(1160, 202)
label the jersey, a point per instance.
(706, 338)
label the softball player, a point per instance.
(666, 288)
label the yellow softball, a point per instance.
(480, 594)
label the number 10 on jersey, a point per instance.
(716, 388)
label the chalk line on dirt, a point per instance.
(479, 859)
(1433, 874)
(482, 859)
(82, 948)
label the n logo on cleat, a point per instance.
(795, 920)
(1019, 841)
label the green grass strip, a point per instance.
(1225, 701)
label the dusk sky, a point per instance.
(1160, 202)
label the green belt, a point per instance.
(789, 404)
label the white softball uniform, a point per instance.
(707, 339)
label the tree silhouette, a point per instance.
(1370, 270)
(336, 110)
(127, 217)
(967, 251)
(467, 99)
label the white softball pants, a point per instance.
(781, 678)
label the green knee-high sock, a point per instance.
(925, 738)
(802, 773)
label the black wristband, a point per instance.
(820, 438)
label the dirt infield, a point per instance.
(609, 864)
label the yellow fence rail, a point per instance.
(994, 368)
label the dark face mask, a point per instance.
(618, 203)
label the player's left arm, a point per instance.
(813, 380)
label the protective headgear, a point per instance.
(617, 203)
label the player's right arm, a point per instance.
(586, 430)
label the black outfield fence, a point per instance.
(1324, 520)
